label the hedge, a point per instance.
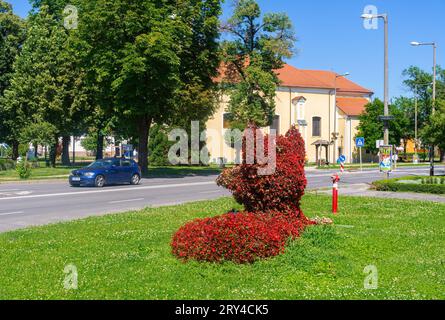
(425, 186)
(6, 164)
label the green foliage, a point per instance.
(23, 169)
(45, 91)
(419, 185)
(258, 46)
(159, 146)
(6, 164)
(89, 142)
(154, 64)
(419, 82)
(434, 130)
(371, 128)
(38, 133)
(12, 35)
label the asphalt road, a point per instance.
(28, 204)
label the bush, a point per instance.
(272, 204)
(424, 185)
(6, 164)
(239, 237)
(159, 146)
(23, 168)
(281, 191)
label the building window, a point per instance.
(316, 127)
(227, 120)
(276, 125)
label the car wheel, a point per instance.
(135, 179)
(100, 181)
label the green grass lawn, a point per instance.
(62, 172)
(127, 256)
(41, 173)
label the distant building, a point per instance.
(307, 99)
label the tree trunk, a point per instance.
(100, 146)
(144, 131)
(15, 150)
(66, 140)
(53, 153)
(442, 155)
(36, 150)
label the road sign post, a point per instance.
(360, 143)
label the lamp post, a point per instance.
(386, 117)
(335, 133)
(433, 44)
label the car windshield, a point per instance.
(101, 164)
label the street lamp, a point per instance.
(386, 118)
(433, 44)
(335, 133)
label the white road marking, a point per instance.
(9, 190)
(11, 213)
(23, 193)
(123, 201)
(166, 186)
(209, 192)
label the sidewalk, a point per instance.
(363, 190)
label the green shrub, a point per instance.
(23, 168)
(6, 164)
(159, 146)
(433, 185)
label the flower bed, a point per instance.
(434, 185)
(272, 204)
(239, 237)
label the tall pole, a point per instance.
(434, 77)
(386, 82)
(434, 108)
(415, 127)
(335, 118)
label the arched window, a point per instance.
(316, 127)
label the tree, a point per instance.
(159, 146)
(419, 82)
(404, 113)
(13, 33)
(434, 132)
(142, 59)
(256, 49)
(371, 127)
(45, 85)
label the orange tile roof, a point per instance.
(352, 106)
(293, 77)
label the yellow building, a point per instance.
(320, 103)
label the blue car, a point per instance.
(107, 172)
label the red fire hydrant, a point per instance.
(335, 181)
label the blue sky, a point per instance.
(331, 36)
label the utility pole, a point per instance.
(386, 118)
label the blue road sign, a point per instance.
(360, 142)
(341, 159)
